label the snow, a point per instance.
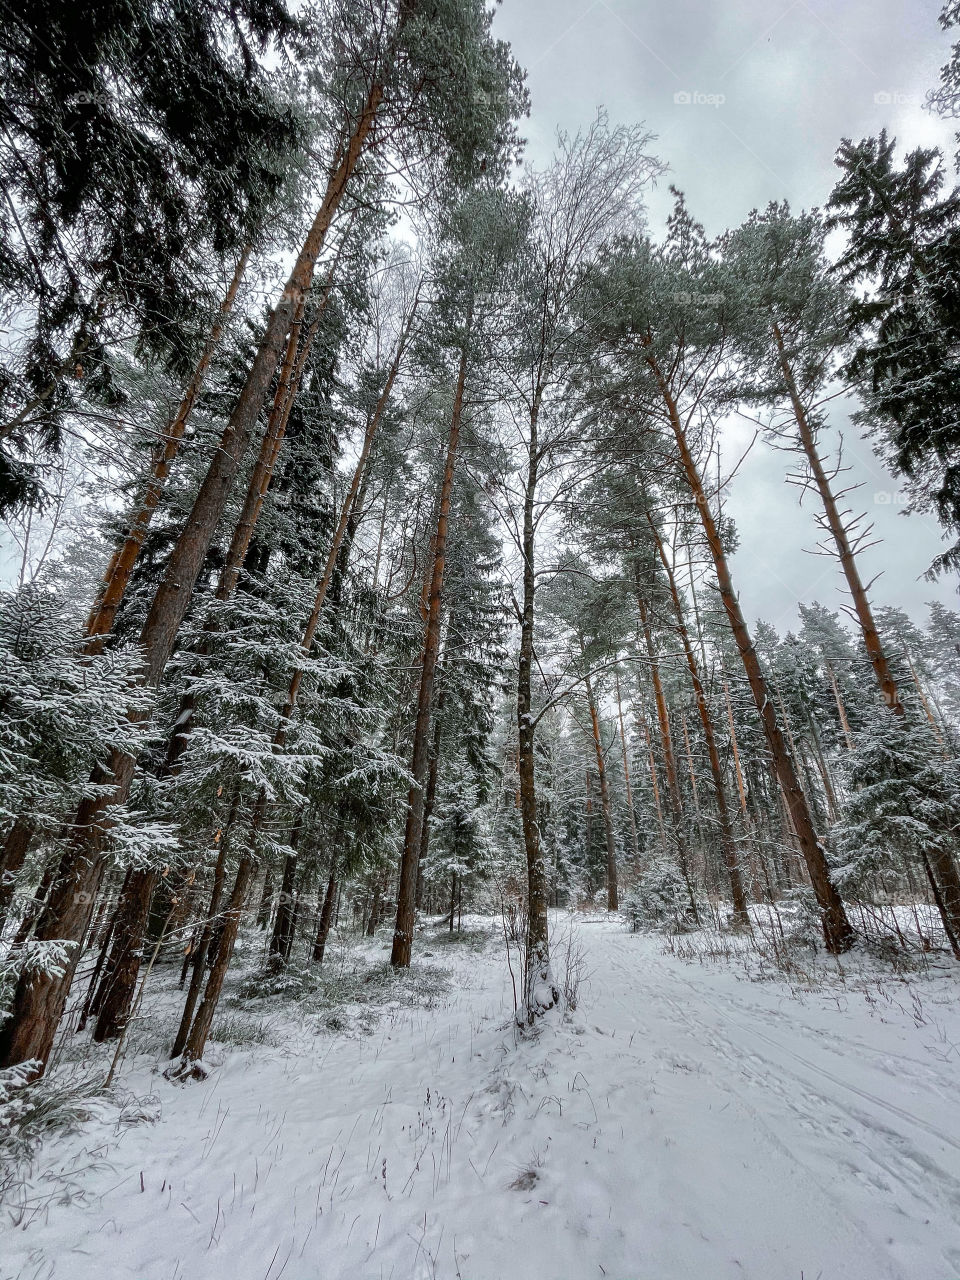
(684, 1123)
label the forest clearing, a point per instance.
(479, 656)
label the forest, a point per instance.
(371, 620)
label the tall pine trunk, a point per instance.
(326, 915)
(120, 979)
(666, 744)
(348, 508)
(196, 1041)
(871, 637)
(419, 766)
(728, 842)
(634, 842)
(610, 843)
(202, 949)
(430, 795)
(837, 930)
(281, 940)
(941, 861)
(118, 983)
(117, 575)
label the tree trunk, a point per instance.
(798, 755)
(737, 770)
(540, 990)
(288, 384)
(90, 1005)
(655, 786)
(837, 931)
(35, 905)
(39, 998)
(265, 908)
(613, 897)
(326, 915)
(375, 898)
(347, 514)
(634, 842)
(407, 887)
(348, 505)
(823, 767)
(429, 797)
(176, 587)
(281, 940)
(728, 842)
(666, 742)
(15, 846)
(201, 951)
(117, 576)
(196, 1041)
(118, 983)
(942, 873)
(871, 637)
(288, 388)
(841, 709)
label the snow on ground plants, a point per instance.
(692, 1119)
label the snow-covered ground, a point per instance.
(685, 1123)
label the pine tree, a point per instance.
(668, 339)
(794, 336)
(903, 237)
(118, 194)
(904, 798)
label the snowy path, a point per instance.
(685, 1125)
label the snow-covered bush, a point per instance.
(660, 900)
(800, 916)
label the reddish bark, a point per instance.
(613, 896)
(407, 888)
(727, 839)
(16, 843)
(837, 931)
(119, 980)
(117, 575)
(871, 637)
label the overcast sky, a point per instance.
(774, 86)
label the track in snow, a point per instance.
(681, 1125)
